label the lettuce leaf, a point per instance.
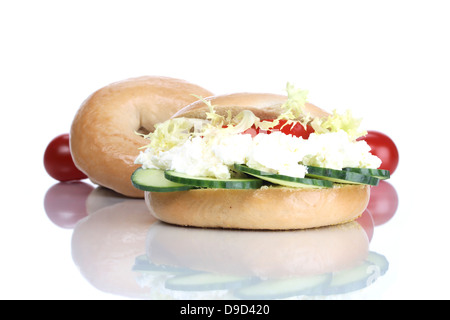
(336, 122)
(294, 107)
(172, 133)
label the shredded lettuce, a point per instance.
(172, 133)
(293, 110)
(216, 120)
(336, 122)
(294, 107)
(175, 132)
(243, 121)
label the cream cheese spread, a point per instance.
(276, 153)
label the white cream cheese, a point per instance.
(200, 157)
(276, 153)
(334, 150)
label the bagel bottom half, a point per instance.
(267, 208)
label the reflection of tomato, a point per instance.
(383, 202)
(384, 148)
(367, 223)
(65, 203)
(58, 160)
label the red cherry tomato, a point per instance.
(383, 202)
(58, 161)
(65, 203)
(367, 223)
(384, 148)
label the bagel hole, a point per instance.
(143, 130)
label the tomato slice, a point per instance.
(296, 129)
(253, 131)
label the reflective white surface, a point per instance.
(388, 62)
(89, 242)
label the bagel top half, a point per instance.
(103, 139)
(267, 208)
(265, 106)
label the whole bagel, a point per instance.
(268, 208)
(103, 139)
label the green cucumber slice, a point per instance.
(341, 176)
(378, 260)
(143, 265)
(285, 180)
(284, 288)
(377, 173)
(206, 282)
(351, 279)
(154, 180)
(235, 183)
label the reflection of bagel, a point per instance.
(102, 197)
(271, 208)
(259, 253)
(106, 243)
(103, 138)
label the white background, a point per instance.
(388, 61)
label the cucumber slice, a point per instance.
(142, 264)
(154, 180)
(285, 180)
(206, 282)
(341, 176)
(141, 260)
(245, 183)
(378, 260)
(284, 288)
(377, 173)
(351, 279)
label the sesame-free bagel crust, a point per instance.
(103, 139)
(268, 208)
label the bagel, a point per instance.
(265, 208)
(260, 209)
(103, 139)
(263, 105)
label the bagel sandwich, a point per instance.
(257, 161)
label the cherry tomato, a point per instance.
(65, 203)
(384, 148)
(58, 161)
(367, 223)
(383, 202)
